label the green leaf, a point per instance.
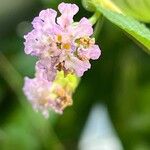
(136, 29)
(139, 9)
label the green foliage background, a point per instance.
(120, 79)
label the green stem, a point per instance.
(97, 28)
(12, 77)
(95, 17)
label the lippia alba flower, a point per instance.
(64, 49)
(67, 44)
(45, 95)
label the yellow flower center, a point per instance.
(62, 45)
(85, 41)
(67, 46)
(64, 97)
(59, 38)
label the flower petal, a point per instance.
(77, 65)
(32, 44)
(46, 67)
(67, 12)
(84, 28)
(48, 16)
(94, 52)
(37, 91)
(36, 88)
(45, 21)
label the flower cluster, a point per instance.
(54, 95)
(61, 45)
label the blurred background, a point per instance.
(111, 108)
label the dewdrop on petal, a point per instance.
(60, 39)
(45, 95)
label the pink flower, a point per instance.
(67, 12)
(37, 92)
(45, 96)
(64, 41)
(64, 50)
(46, 68)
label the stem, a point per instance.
(97, 28)
(95, 17)
(12, 77)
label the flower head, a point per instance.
(64, 49)
(62, 40)
(45, 95)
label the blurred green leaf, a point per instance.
(21, 62)
(136, 29)
(27, 130)
(139, 9)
